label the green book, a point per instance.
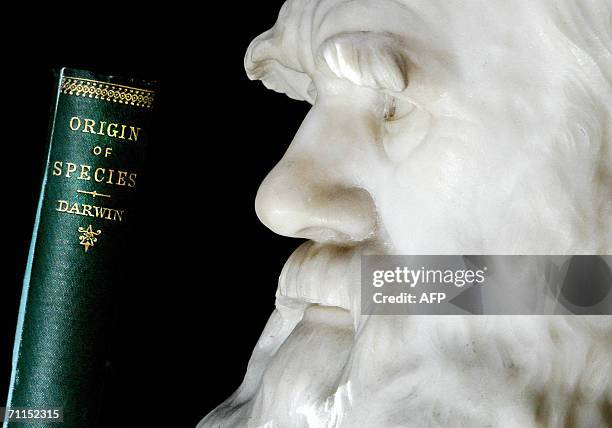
(100, 129)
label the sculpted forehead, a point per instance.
(303, 25)
(438, 27)
(457, 37)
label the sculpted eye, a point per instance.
(405, 127)
(396, 109)
(389, 110)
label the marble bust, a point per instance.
(436, 127)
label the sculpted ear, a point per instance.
(366, 58)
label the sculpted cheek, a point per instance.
(403, 136)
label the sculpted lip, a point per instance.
(322, 274)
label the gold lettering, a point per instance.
(62, 206)
(100, 211)
(88, 126)
(78, 123)
(87, 210)
(85, 172)
(112, 133)
(57, 168)
(104, 128)
(102, 124)
(70, 168)
(132, 179)
(118, 215)
(134, 132)
(102, 170)
(121, 178)
(99, 175)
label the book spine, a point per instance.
(87, 212)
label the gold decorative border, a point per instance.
(107, 91)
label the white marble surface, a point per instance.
(437, 127)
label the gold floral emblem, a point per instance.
(88, 236)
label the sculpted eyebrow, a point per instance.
(367, 58)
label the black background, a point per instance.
(207, 270)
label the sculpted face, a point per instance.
(442, 127)
(436, 127)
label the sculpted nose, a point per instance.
(294, 200)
